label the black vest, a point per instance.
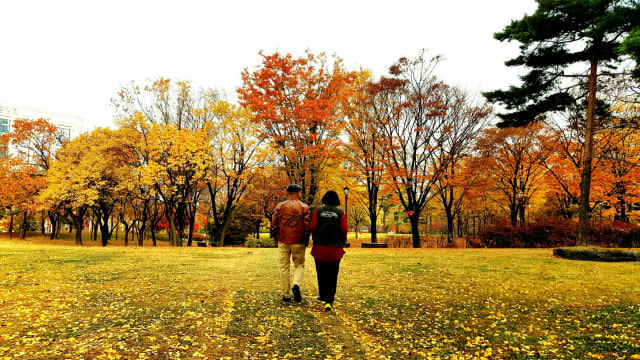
(327, 232)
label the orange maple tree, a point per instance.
(31, 145)
(296, 101)
(513, 161)
(621, 159)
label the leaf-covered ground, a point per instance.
(166, 303)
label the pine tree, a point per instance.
(567, 44)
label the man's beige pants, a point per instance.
(286, 253)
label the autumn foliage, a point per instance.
(296, 102)
(203, 303)
(415, 152)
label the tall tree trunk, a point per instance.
(191, 227)
(513, 214)
(127, 228)
(54, 220)
(450, 224)
(141, 231)
(174, 237)
(104, 231)
(77, 224)
(373, 215)
(415, 231)
(447, 203)
(54, 228)
(223, 234)
(587, 158)
(226, 216)
(11, 227)
(42, 229)
(179, 220)
(257, 223)
(153, 237)
(25, 225)
(142, 227)
(373, 220)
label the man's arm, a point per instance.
(275, 229)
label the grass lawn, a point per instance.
(62, 301)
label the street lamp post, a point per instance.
(346, 201)
(521, 203)
(346, 209)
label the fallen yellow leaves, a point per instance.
(95, 303)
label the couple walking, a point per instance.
(291, 227)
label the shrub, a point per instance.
(615, 234)
(260, 243)
(399, 241)
(406, 241)
(551, 232)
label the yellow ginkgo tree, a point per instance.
(236, 153)
(71, 183)
(177, 162)
(90, 173)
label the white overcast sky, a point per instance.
(73, 56)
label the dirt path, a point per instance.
(259, 324)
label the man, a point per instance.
(290, 229)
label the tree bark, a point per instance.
(373, 219)
(513, 214)
(373, 215)
(127, 228)
(54, 220)
(42, 229)
(141, 231)
(450, 224)
(153, 237)
(415, 231)
(104, 232)
(174, 238)
(587, 158)
(25, 225)
(192, 225)
(11, 227)
(77, 225)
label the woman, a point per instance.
(329, 229)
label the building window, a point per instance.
(4, 129)
(4, 126)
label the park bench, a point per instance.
(374, 245)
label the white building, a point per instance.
(69, 126)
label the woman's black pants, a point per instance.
(327, 279)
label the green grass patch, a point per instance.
(62, 301)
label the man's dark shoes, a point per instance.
(286, 299)
(296, 293)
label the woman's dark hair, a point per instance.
(331, 198)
